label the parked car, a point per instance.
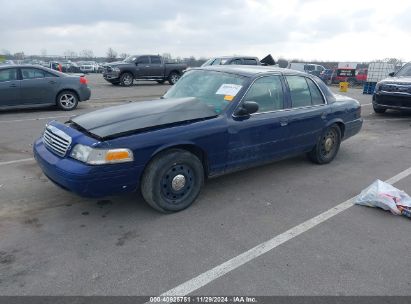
(213, 121)
(310, 68)
(239, 60)
(327, 75)
(7, 62)
(394, 92)
(88, 66)
(25, 86)
(142, 67)
(352, 76)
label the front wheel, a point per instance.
(126, 79)
(173, 78)
(67, 100)
(327, 146)
(172, 181)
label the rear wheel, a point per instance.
(126, 79)
(67, 100)
(172, 181)
(173, 78)
(327, 146)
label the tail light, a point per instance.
(83, 80)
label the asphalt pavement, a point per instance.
(56, 243)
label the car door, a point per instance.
(308, 113)
(262, 135)
(9, 87)
(156, 67)
(37, 86)
(143, 66)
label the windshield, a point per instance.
(130, 58)
(216, 89)
(405, 71)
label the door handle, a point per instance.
(13, 85)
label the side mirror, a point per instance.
(391, 74)
(247, 108)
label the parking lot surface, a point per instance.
(56, 243)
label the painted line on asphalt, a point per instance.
(366, 104)
(232, 264)
(16, 161)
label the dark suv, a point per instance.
(394, 92)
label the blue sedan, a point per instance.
(213, 121)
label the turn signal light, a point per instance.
(118, 155)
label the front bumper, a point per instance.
(86, 180)
(111, 76)
(395, 101)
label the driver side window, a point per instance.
(267, 92)
(143, 60)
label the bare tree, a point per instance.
(124, 55)
(87, 54)
(111, 55)
(70, 54)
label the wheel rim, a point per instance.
(67, 101)
(127, 79)
(174, 78)
(177, 183)
(329, 143)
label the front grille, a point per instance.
(396, 88)
(107, 69)
(56, 140)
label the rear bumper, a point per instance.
(352, 128)
(396, 101)
(86, 180)
(84, 93)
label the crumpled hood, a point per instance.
(135, 116)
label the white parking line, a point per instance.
(16, 161)
(366, 104)
(224, 268)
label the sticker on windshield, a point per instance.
(228, 97)
(229, 89)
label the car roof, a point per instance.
(22, 66)
(249, 70)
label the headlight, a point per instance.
(116, 70)
(93, 156)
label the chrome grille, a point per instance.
(56, 140)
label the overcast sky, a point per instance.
(345, 30)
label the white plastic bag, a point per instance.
(382, 195)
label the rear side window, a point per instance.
(268, 93)
(236, 61)
(8, 75)
(155, 60)
(303, 92)
(316, 96)
(143, 60)
(250, 61)
(28, 73)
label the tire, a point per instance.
(172, 180)
(327, 146)
(379, 110)
(173, 78)
(160, 81)
(67, 100)
(115, 83)
(126, 79)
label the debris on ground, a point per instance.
(385, 196)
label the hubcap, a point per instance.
(67, 101)
(127, 80)
(328, 144)
(178, 182)
(175, 78)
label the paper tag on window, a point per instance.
(228, 97)
(229, 89)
